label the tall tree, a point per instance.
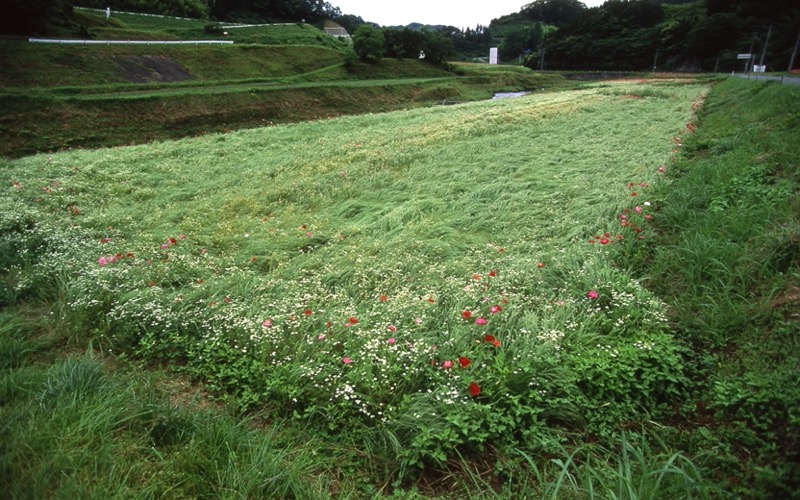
(368, 43)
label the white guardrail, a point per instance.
(129, 42)
(786, 80)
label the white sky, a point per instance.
(458, 13)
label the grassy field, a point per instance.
(410, 291)
(571, 294)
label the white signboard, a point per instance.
(760, 68)
(744, 56)
(493, 55)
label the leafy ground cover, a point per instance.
(727, 263)
(421, 288)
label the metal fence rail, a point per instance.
(787, 80)
(129, 42)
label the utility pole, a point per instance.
(794, 52)
(749, 62)
(764, 50)
(655, 61)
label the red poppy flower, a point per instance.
(476, 277)
(495, 309)
(489, 338)
(501, 249)
(496, 343)
(227, 300)
(604, 241)
(430, 299)
(383, 298)
(352, 320)
(466, 314)
(474, 389)
(308, 312)
(492, 274)
(463, 362)
(540, 265)
(173, 241)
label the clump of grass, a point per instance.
(81, 428)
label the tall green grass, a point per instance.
(727, 262)
(338, 273)
(409, 220)
(78, 430)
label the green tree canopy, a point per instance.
(368, 43)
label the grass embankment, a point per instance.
(58, 97)
(329, 275)
(728, 264)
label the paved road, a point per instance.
(788, 80)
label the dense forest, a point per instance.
(622, 35)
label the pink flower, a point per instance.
(321, 337)
(309, 234)
(102, 261)
(203, 251)
(592, 294)
(604, 241)
(182, 237)
(391, 328)
(447, 364)
(267, 323)
(164, 246)
(480, 321)
(346, 360)
(661, 169)
(495, 309)
(392, 341)
(638, 209)
(418, 320)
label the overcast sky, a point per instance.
(458, 13)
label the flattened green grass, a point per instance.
(49, 65)
(332, 273)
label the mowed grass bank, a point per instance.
(61, 97)
(420, 289)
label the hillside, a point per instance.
(63, 96)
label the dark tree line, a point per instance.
(550, 34)
(671, 35)
(371, 44)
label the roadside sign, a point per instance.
(744, 56)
